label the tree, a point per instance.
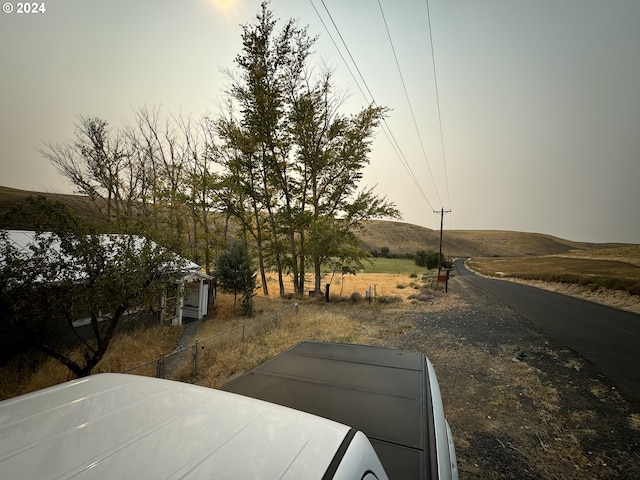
(72, 272)
(260, 134)
(293, 161)
(93, 162)
(234, 273)
(429, 259)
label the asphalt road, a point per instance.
(606, 337)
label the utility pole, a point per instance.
(441, 212)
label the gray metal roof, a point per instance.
(381, 392)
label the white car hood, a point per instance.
(124, 426)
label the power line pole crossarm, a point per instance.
(441, 213)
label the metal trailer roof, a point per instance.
(382, 392)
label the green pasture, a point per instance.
(392, 265)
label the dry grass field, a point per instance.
(627, 254)
(317, 321)
(391, 285)
(596, 270)
(485, 391)
(608, 276)
(614, 269)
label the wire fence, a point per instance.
(185, 363)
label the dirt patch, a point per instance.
(519, 407)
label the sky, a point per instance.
(514, 115)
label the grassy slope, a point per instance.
(11, 197)
(407, 238)
(400, 237)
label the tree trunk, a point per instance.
(301, 268)
(318, 274)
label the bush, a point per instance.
(413, 275)
(355, 297)
(429, 259)
(388, 299)
(421, 297)
(235, 274)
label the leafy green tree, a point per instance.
(258, 132)
(235, 274)
(429, 259)
(421, 259)
(294, 162)
(71, 272)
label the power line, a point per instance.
(386, 129)
(435, 79)
(339, 51)
(406, 94)
(346, 48)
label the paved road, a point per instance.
(606, 337)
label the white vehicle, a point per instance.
(126, 426)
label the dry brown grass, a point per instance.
(408, 238)
(608, 276)
(629, 254)
(230, 356)
(400, 237)
(634, 421)
(556, 265)
(401, 286)
(125, 351)
(593, 272)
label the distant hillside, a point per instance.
(11, 197)
(407, 238)
(400, 237)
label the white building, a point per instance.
(189, 299)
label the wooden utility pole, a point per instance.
(441, 212)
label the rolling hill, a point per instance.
(400, 237)
(407, 238)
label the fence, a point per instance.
(184, 363)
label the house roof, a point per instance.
(23, 240)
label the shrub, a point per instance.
(388, 299)
(413, 275)
(355, 297)
(421, 297)
(429, 259)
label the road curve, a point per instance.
(607, 337)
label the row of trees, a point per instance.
(279, 167)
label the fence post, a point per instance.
(296, 307)
(195, 359)
(160, 367)
(243, 332)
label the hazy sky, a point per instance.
(539, 100)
